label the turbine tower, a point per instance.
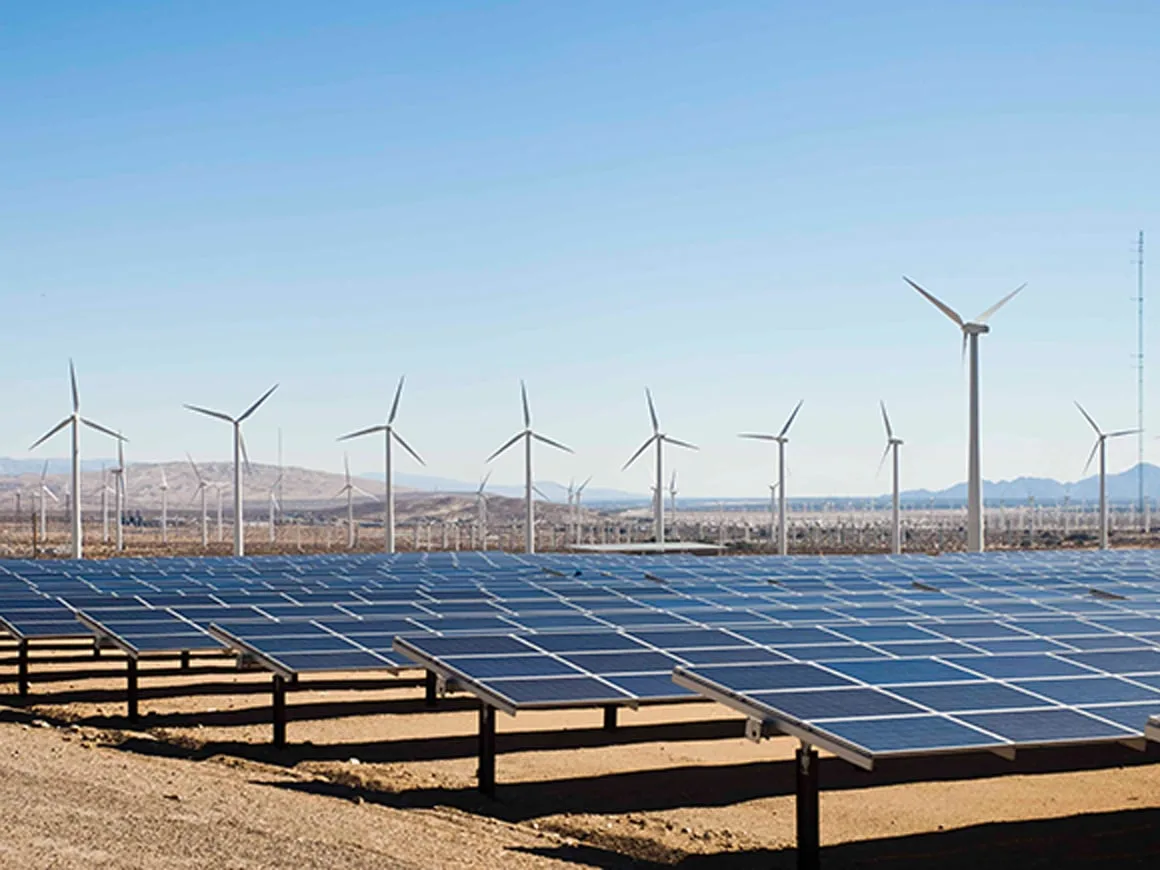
(75, 420)
(389, 436)
(1101, 446)
(659, 439)
(481, 510)
(892, 445)
(239, 456)
(577, 521)
(971, 331)
(782, 439)
(43, 491)
(528, 436)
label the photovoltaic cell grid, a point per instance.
(1075, 634)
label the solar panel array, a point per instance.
(880, 655)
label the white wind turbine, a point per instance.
(481, 510)
(577, 523)
(528, 436)
(1101, 446)
(349, 489)
(164, 507)
(106, 491)
(782, 439)
(119, 495)
(971, 331)
(75, 420)
(389, 437)
(42, 492)
(202, 486)
(659, 439)
(275, 507)
(239, 456)
(892, 445)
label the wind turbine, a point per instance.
(971, 331)
(275, 507)
(659, 439)
(481, 510)
(577, 524)
(164, 507)
(782, 439)
(119, 495)
(202, 485)
(74, 420)
(239, 455)
(528, 436)
(106, 491)
(892, 445)
(350, 489)
(389, 436)
(1102, 447)
(42, 491)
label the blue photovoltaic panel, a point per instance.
(757, 678)
(1030, 727)
(834, 703)
(1131, 716)
(622, 662)
(557, 691)
(958, 697)
(481, 668)
(1091, 690)
(886, 672)
(911, 734)
(1130, 662)
(1024, 665)
(730, 655)
(593, 641)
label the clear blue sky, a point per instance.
(717, 200)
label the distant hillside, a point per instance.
(1122, 487)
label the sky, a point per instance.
(716, 201)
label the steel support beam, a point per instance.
(430, 688)
(486, 773)
(131, 695)
(279, 711)
(808, 819)
(22, 667)
(610, 717)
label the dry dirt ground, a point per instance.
(372, 778)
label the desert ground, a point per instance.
(373, 778)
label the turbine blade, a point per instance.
(652, 410)
(527, 412)
(886, 420)
(250, 410)
(101, 428)
(789, 422)
(941, 306)
(196, 473)
(551, 443)
(44, 472)
(76, 396)
(679, 442)
(580, 488)
(395, 404)
(1124, 432)
(368, 431)
(882, 462)
(210, 413)
(346, 467)
(483, 483)
(540, 492)
(506, 445)
(50, 433)
(757, 436)
(242, 444)
(363, 492)
(639, 451)
(51, 494)
(985, 316)
(1088, 417)
(1092, 455)
(407, 447)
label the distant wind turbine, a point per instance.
(42, 491)
(577, 522)
(389, 436)
(971, 331)
(481, 510)
(275, 506)
(659, 439)
(202, 485)
(74, 420)
(164, 507)
(528, 436)
(781, 438)
(349, 489)
(1101, 447)
(892, 445)
(239, 456)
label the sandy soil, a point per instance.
(381, 781)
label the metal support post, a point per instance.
(279, 706)
(131, 688)
(610, 717)
(430, 687)
(185, 660)
(22, 667)
(808, 820)
(486, 773)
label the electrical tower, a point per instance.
(1144, 518)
